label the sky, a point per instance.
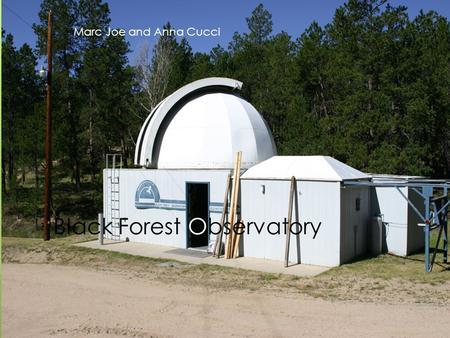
(291, 16)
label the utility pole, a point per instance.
(48, 132)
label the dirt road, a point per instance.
(47, 300)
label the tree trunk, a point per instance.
(10, 150)
(446, 154)
(3, 171)
(124, 150)
(322, 97)
(369, 85)
(74, 150)
(77, 174)
(23, 175)
(91, 137)
(36, 172)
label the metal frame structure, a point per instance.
(435, 196)
(113, 162)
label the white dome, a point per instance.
(204, 131)
(209, 130)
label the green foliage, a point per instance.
(260, 25)
(21, 114)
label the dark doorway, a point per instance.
(197, 199)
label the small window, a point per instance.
(358, 204)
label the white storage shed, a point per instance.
(401, 234)
(333, 217)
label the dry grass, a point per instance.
(386, 279)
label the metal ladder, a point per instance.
(113, 195)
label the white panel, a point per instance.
(318, 202)
(394, 212)
(403, 235)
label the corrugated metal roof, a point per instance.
(313, 168)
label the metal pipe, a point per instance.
(427, 234)
(101, 225)
(289, 223)
(413, 206)
(427, 246)
(398, 184)
(444, 217)
(445, 225)
(48, 132)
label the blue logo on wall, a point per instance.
(147, 197)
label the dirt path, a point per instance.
(48, 300)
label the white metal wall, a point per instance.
(172, 186)
(318, 202)
(403, 236)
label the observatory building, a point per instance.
(184, 154)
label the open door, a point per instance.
(197, 199)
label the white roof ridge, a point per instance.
(309, 167)
(328, 161)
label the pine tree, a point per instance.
(10, 102)
(66, 59)
(92, 80)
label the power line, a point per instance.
(18, 16)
